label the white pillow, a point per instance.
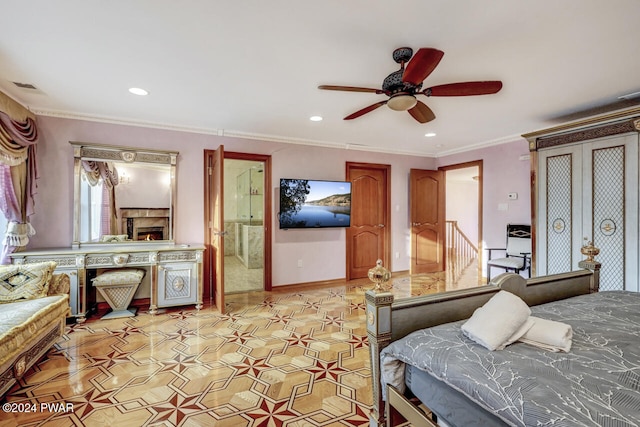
(501, 321)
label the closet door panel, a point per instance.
(559, 213)
(611, 208)
(559, 219)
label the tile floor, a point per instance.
(238, 278)
(294, 357)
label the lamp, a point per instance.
(402, 102)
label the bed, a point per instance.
(596, 383)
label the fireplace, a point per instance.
(150, 233)
(145, 223)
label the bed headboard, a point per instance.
(389, 320)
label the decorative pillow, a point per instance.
(59, 284)
(25, 281)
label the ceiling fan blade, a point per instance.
(464, 89)
(351, 89)
(422, 113)
(365, 110)
(422, 64)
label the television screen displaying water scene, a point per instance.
(306, 203)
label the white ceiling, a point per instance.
(251, 67)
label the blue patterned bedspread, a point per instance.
(596, 384)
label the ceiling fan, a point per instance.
(403, 85)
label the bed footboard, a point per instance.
(389, 320)
(398, 404)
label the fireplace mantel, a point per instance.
(145, 223)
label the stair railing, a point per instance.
(461, 252)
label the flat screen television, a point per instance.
(306, 203)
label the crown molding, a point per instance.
(226, 133)
(125, 122)
(281, 139)
(486, 144)
(264, 137)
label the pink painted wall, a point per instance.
(503, 173)
(322, 252)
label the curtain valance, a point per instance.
(18, 131)
(94, 170)
(14, 110)
(15, 139)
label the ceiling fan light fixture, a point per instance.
(402, 102)
(402, 86)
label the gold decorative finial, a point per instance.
(589, 250)
(379, 275)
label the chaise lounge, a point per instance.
(34, 304)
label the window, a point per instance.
(91, 201)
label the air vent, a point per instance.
(25, 85)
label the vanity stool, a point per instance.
(117, 287)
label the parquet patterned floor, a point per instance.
(285, 358)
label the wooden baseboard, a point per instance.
(305, 285)
(137, 303)
(329, 283)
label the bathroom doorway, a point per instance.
(244, 224)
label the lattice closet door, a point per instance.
(590, 190)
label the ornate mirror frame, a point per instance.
(110, 153)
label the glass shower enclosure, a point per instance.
(249, 225)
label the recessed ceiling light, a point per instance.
(315, 118)
(430, 134)
(138, 91)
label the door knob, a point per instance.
(380, 225)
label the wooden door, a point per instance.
(214, 215)
(427, 210)
(369, 235)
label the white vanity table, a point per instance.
(175, 272)
(133, 190)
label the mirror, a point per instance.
(123, 195)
